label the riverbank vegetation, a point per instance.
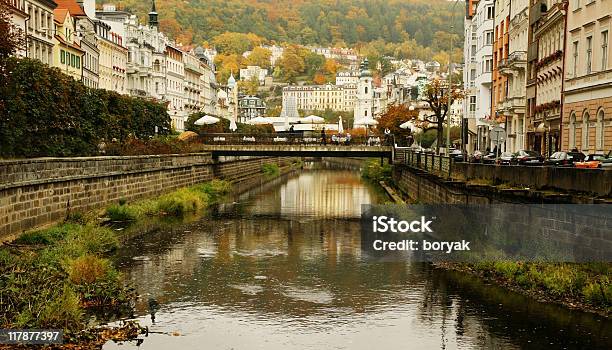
(373, 171)
(56, 277)
(270, 170)
(177, 203)
(586, 286)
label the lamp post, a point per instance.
(450, 80)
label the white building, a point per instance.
(175, 87)
(19, 17)
(364, 106)
(250, 107)
(482, 23)
(40, 30)
(208, 83)
(321, 97)
(256, 72)
(347, 77)
(277, 53)
(113, 59)
(193, 83)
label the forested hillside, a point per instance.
(320, 22)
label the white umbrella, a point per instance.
(407, 125)
(233, 126)
(340, 127)
(260, 121)
(207, 119)
(368, 121)
(313, 119)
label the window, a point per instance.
(572, 131)
(490, 13)
(366, 90)
(589, 52)
(604, 50)
(599, 131)
(472, 103)
(489, 38)
(585, 131)
(63, 56)
(575, 54)
(78, 62)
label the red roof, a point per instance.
(70, 5)
(60, 15)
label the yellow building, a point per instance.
(67, 54)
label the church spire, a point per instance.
(153, 15)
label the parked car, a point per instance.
(592, 161)
(506, 158)
(527, 157)
(476, 157)
(457, 155)
(607, 163)
(560, 159)
(577, 156)
(489, 158)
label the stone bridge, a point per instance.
(299, 150)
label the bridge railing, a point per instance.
(290, 139)
(432, 163)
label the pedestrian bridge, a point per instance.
(294, 145)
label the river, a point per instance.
(279, 267)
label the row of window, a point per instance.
(588, 49)
(70, 59)
(586, 121)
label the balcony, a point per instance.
(515, 62)
(513, 105)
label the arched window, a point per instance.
(366, 89)
(585, 131)
(572, 131)
(599, 131)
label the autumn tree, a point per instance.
(436, 95)
(259, 57)
(227, 64)
(249, 87)
(12, 38)
(292, 63)
(235, 43)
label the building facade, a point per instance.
(347, 77)
(545, 74)
(364, 105)
(482, 23)
(40, 30)
(250, 107)
(113, 59)
(67, 53)
(513, 67)
(321, 97)
(175, 87)
(193, 83)
(19, 17)
(587, 95)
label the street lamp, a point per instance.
(450, 80)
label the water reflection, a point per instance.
(279, 268)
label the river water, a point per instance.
(279, 267)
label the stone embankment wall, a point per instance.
(35, 192)
(427, 188)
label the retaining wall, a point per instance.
(35, 192)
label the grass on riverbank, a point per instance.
(176, 203)
(270, 170)
(52, 278)
(373, 171)
(583, 285)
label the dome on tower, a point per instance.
(365, 69)
(231, 82)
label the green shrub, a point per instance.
(119, 212)
(373, 171)
(46, 236)
(270, 170)
(180, 202)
